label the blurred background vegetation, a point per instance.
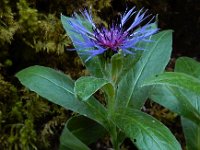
(31, 33)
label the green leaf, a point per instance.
(79, 132)
(145, 131)
(59, 89)
(175, 79)
(191, 133)
(85, 87)
(70, 142)
(177, 92)
(188, 66)
(93, 65)
(190, 129)
(191, 67)
(176, 100)
(153, 61)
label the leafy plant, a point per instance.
(179, 91)
(121, 79)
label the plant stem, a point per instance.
(114, 138)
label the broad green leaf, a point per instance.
(175, 100)
(70, 142)
(153, 61)
(177, 92)
(191, 133)
(93, 65)
(191, 130)
(191, 67)
(59, 89)
(85, 87)
(79, 132)
(175, 79)
(146, 132)
(188, 66)
(86, 129)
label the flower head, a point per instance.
(97, 40)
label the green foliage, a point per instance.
(34, 23)
(60, 91)
(23, 121)
(27, 24)
(147, 66)
(31, 33)
(117, 116)
(86, 93)
(180, 92)
(76, 130)
(7, 24)
(145, 131)
(16, 131)
(190, 128)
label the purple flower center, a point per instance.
(111, 38)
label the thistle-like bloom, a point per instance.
(96, 40)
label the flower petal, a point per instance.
(127, 15)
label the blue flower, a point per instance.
(97, 40)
